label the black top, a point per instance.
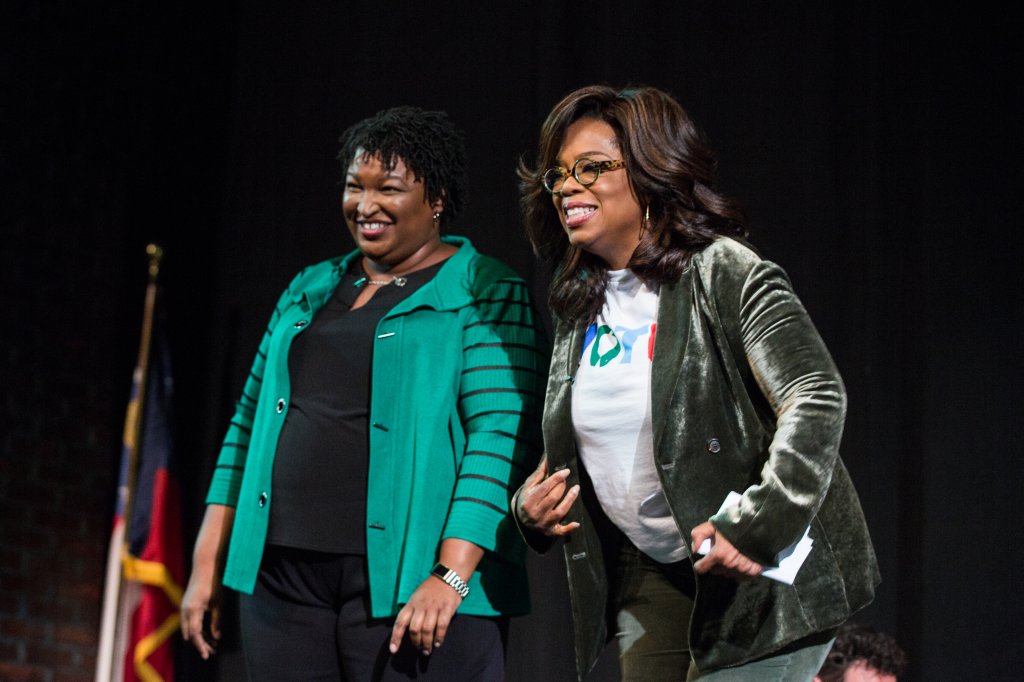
(321, 463)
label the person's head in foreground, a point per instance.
(860, 654)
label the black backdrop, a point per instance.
(875, 148)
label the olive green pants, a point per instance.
(653, 604)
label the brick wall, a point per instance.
(66, 368)
(106, 108)
(66, 355)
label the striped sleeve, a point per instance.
(501, 396)
(227, 474)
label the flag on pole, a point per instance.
(145, 565)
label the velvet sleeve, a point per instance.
(794, 371)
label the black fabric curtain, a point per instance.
(876, 150)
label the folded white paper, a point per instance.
(790, 559)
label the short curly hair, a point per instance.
(861, 644)
(429, 144)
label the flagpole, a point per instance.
(133, 421)
(108, 668)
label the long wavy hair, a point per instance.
(671, 168)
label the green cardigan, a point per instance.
(744, 397)
(458, 376)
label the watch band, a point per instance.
(452, 578)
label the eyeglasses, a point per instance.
(586, 171)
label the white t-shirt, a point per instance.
(611, 416)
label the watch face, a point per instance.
(451, 578)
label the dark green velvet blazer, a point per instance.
(745, 397)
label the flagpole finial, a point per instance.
(156, 254)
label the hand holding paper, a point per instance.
(790, 559)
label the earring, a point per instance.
(646, 220)
(437, 215)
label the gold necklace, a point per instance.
(363, 281)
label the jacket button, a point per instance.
(301, 323)
(714, 446)
(280, 405)
(263, 500)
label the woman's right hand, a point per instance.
(202, 596)
(544, 501)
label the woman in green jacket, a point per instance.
(693, 414)
(360, 502)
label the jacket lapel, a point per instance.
(675, 317)
(565, 361)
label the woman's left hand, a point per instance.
(426, 616)
(432, 606)
(724, 558)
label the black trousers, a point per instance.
(308, 619)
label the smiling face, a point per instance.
(605, 218)
(388, 215)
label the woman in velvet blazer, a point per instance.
(737, 394)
